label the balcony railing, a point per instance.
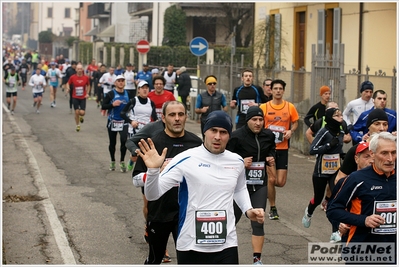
(137, 7)
(96, 10)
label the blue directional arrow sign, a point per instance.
(198, 46)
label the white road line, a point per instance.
(55, 224)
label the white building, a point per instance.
(57, 17)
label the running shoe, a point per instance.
(130, 165)
(306, 219)
(323, 205)
(166, 259)
(257, 261)
(122, 165)
(335, 237)
(12, 112)
(112, 166)
(77, 128)
(37, 111)
(81, 119)
(54, 105)
(273, 215)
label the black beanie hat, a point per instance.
(252, 112)
(366, 85)
(218, 118)
(376, 115)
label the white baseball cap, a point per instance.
(119, 77)
(142, 83)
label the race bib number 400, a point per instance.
(211, 226)
(386, 209)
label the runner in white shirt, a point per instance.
(130, 85)
(38, 83)
(359, 105)
(170, 77)
(207, 233)
(106, 82)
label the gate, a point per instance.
(328, 70)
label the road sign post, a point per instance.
(143, 47)
(198, 46)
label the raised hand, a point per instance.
(150, 155)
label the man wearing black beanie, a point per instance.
(359, 105)
(256, 145)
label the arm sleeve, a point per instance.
(144, 133)
(338, 208)
(127, 108)
(241, 195)
(158, 184)
(346, 113)
(154, 116)
(317, 146)
(310, 115)
(198, 103)
(224, 101)
(107, 104)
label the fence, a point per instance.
(302, 87)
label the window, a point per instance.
(49, 12)
(67, 12)
(205, 27)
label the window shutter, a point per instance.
(277, 40)
(267, 41)
(337, 32)
(321, 31)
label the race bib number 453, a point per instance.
(211, 226)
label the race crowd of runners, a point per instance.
(197, 188)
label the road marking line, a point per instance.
(55, 224)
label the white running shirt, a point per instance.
(35, 80)
(355, 108)
(208, 184)
(129, 80)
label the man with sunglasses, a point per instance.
(210, 100)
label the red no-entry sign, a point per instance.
(143, 46)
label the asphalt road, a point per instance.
(61, 204)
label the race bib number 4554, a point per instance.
(211, 226)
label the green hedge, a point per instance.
(162, 55)
(85, 52)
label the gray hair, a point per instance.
(375, 137)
